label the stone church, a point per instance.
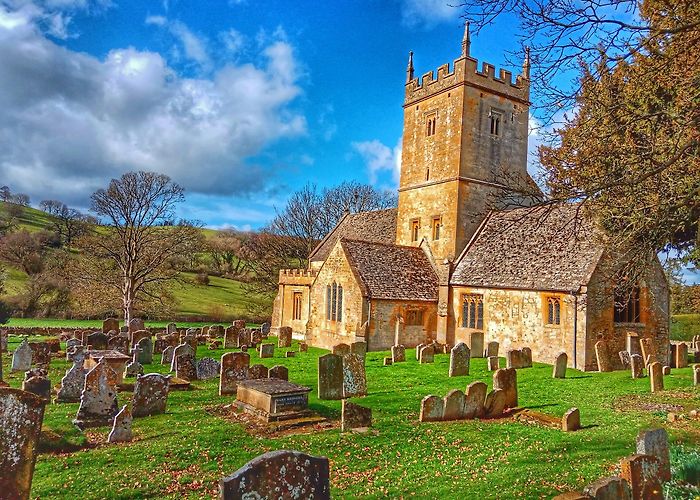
(468, 255)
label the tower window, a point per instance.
(430, 124)
(627, 307)
(473, 311)
(495, 121)
(437, 226)
(553, 311)
(296, 313)
(415, 226)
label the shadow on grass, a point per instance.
(582, 376)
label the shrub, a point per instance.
(202, 279)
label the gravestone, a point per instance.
(666, 370)
(602, 357)
(696, 376)
(527, 357)
(98, 401)
(560, 364)
(284, 337)
(624, 359)
(191, 340)
(118, 343)
(231, 338)
(656, 376)
(150, 394)
(278, 371)
(495, 403)
(654, 442)
(476, 344)
(453, 405)
(474, 400)
(279, 475)
(121, 428)
(167, 356)
(97, 341)
(135, 337)
(459, 360)
(637, 365)
(22, 357)
(179, 351)
(110, 324)
(341, 349)
(418, 349)
(491, 349)
(609, 488)
(171, 328)
(642, 473)
(632, 343)
(359, 348)
(492, 363)
(681, 355)
(37, 382)
(330, 376)
(648, 348)
(506, 380)
(265, 329)
(3, 340)
(427, 355)
(136, 324)
(354, 416)
(267, 350)
(71, 344)
(134, 368)
(290, 354)
(73, 381)
(234, 368)
(41, 353)
(388, 362)
(257, 371)
(515, 358)
(354, 376)
(20, 426)
(398, 354)
(571, 421)
(303, 347)
(431, 409)
(146, 354)
(186, 367)
(208, 368)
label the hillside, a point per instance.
(221, 299)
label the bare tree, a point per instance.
(226, 249)
(5, 193)
(135, 243)
(24, 250)
(51, 207)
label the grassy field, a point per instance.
(186, 451)
(685, 326)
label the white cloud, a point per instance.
(233, 41)
(380, 157)
(70, 121)
(428, 13)
(194, 46)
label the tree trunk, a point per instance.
(128, 300)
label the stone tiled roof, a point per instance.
(393, 272)
(538, 248)
(375, 225)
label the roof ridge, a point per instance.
(355, 240)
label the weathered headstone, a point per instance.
(398, 353)
(110, 324)
(73, 381)
(136, 324)
(431, 409)
(492, 363)
(495, 403)
(642, 474)
(527, 357)
(491, 349)
(20, 426)
(279, 371)
(97, 341)
(632, 343)
(354, 376)
(359, 348)
(453, 405)
(637, 365)
(654, 442)
(609, 488)
(284, 337)
(666, 370)
(118, 343)
(179, 351)
(171, 328)
(427, 355)
(231, 338)
(167, 356)
(476, 344)
(22, 357)
(681, 355)
(290, 354)
(98, 401)
(258, 371)
(41, 353)
(506, 380)
(388, 361)
(37, 382)
(265, 329)
(267, 350)
(656, 376)
(303, 347)
(341, 349)
(516, 358)
(150, 394)
(208, 368)
(186, 367)
(279, 475)
(602, 357)
(330, 377)
(624, 359)
(146, 354)
(559, 370)
(234, 368)
(121, 428)
(474, 400)
(571, 421)
(459, 360)
(134, 368)
(354, 416)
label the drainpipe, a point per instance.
(369, 319)
(575, 326)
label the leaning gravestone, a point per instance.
(459, 360)
(642, 474)
(571, 421)
(427, 354)
(22, 357)
(20, 426)
(150, 394)
(73, 382)
(453, 405)
(637, 365)
(285, 337)
(560, 363)
(330, 377)
(98, 401)
(354, 416)
(506, 380)
(186, 367)
(278, 371)
(121, 428)
(280, 475)
(234, 368)
(474, 400)
(208, 368)
(495, 402)
(398, 353)
(37, 382)
(608, 488)
(179, 351)
(654, 442)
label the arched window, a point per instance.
(334, 302)
(473, 311)
(328, 302)
(627, 306)
(553, 311)
(340, 303)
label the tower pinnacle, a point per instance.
(409, 69)
(526, 64)
(466, 40)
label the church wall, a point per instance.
(384, 316)
(292, 281)
(654, 312)
(321, 332)
(517, 318)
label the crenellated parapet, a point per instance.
(465, 71)
(297, 276)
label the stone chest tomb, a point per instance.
(273, 399)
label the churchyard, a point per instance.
(202, 438)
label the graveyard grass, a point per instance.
(185, 452)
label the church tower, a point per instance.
(464, 143)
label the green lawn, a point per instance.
(186, 451)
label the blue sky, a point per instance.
(241, 102)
